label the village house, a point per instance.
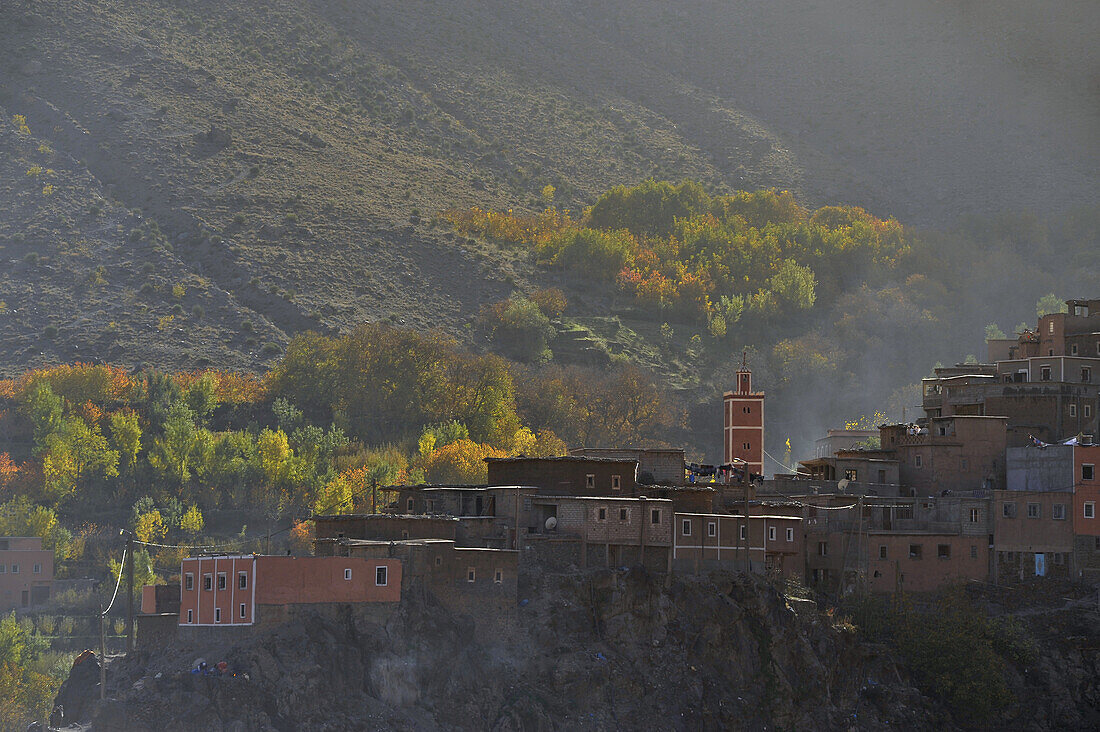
(1033, 534)
(962, 453)
(243, 590)
(656, 466)
(569, 475)
(846, 439)
(774, 543)
(870, 466)
(26, 572)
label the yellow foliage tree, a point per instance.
(150, 526)
(461, 462)
(192, 521)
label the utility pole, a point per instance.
(130, 593)
(102, 655)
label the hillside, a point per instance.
(225, 176)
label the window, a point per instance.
(498, 576)
(1044, 373)
(601, 514)
(742, 532)
(882, 551)
(347, 573)
(616, 482)
(1073, 410)
(190, 616)
(207, 582)
(217, 615)
(622, 514)
(1058, 512)
(771, 533)
(712, 528)
(943, 551)
(1086, 374)
(37, 569)
(915, 551)
(381, 576)
(746, 410)
(1088, 411)
(1090, 509)
(851, 474)
(471, 574)
(965, 464)
(1059, 558)
(15, 569)
(790, 534)
(409, 505)
(244, 611)
(438, 561)
(822, 548)
(221, 581)
(1073, 350)
(3, 568)
(973, 551)
(1008, 509)
(242, 580)
(745, 445)
(188, 580)
(1088, 471)
(655, 516)
(430, 505)
(1034, 511)
(404, 534)
(590, 481)
(918, 461)
(1050, 327)
(686, 529)
(975, 515)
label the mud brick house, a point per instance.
(1033, 534)
(1086, 501)
(570, 475)
(655, 466)
(774, 542)
(584, 531)
(248, 589)
(962, 453)
(872, 467)
(465, 579)
(924, 561)
(26, 572)
(385, 526)
(486, 515)
(836, 440)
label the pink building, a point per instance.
(233, 590)
(26, 572)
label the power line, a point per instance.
(118, 584)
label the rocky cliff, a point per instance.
(603, 650)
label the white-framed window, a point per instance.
(590, 481)
(37, 569)
(1088, 411)
(3, 568)
(190, 616)
(1058, 512)
(382, 576)
(1008, 509)
(1044, 373)
(347, 573)
(207, 582)
(742, 532)
(918, 461)
(822, 548)
(1034, 511)
(790, 534)
(471, 574)
(623, 515)
(242, 580)
(601, 514)
(1050, 327)
(616, 482)
(1073, 410)
(410, 504)
(244, 610)
(1090, 509)
(655, 516)
(221, 581)
(771, 533)
(1073, 350)
(1088, 471)
(15, 569)
(975, 515)
(686, 527)
(498, 576)
(217, 615)
(712, 528)
(1086, 374)
(189, 581)
(882, 551)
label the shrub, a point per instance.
(270, 349)
(50, 331)
(31, 258)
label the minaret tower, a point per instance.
(744, 422)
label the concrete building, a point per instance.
(656, 466)
(238, 590)
(571, 475)
(854, 466)
(743, 417)
(837, 440)
(1033, 534)
(26, 572)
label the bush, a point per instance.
(270, 349)
(520, 329)
(50, 331)
(31, 258)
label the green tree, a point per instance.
(126, 438)
(20, 517)
(1048, 304)
(44, 409)
(201, 397)
(993, 332)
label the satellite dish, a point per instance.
(842, 485)
(551, 523)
